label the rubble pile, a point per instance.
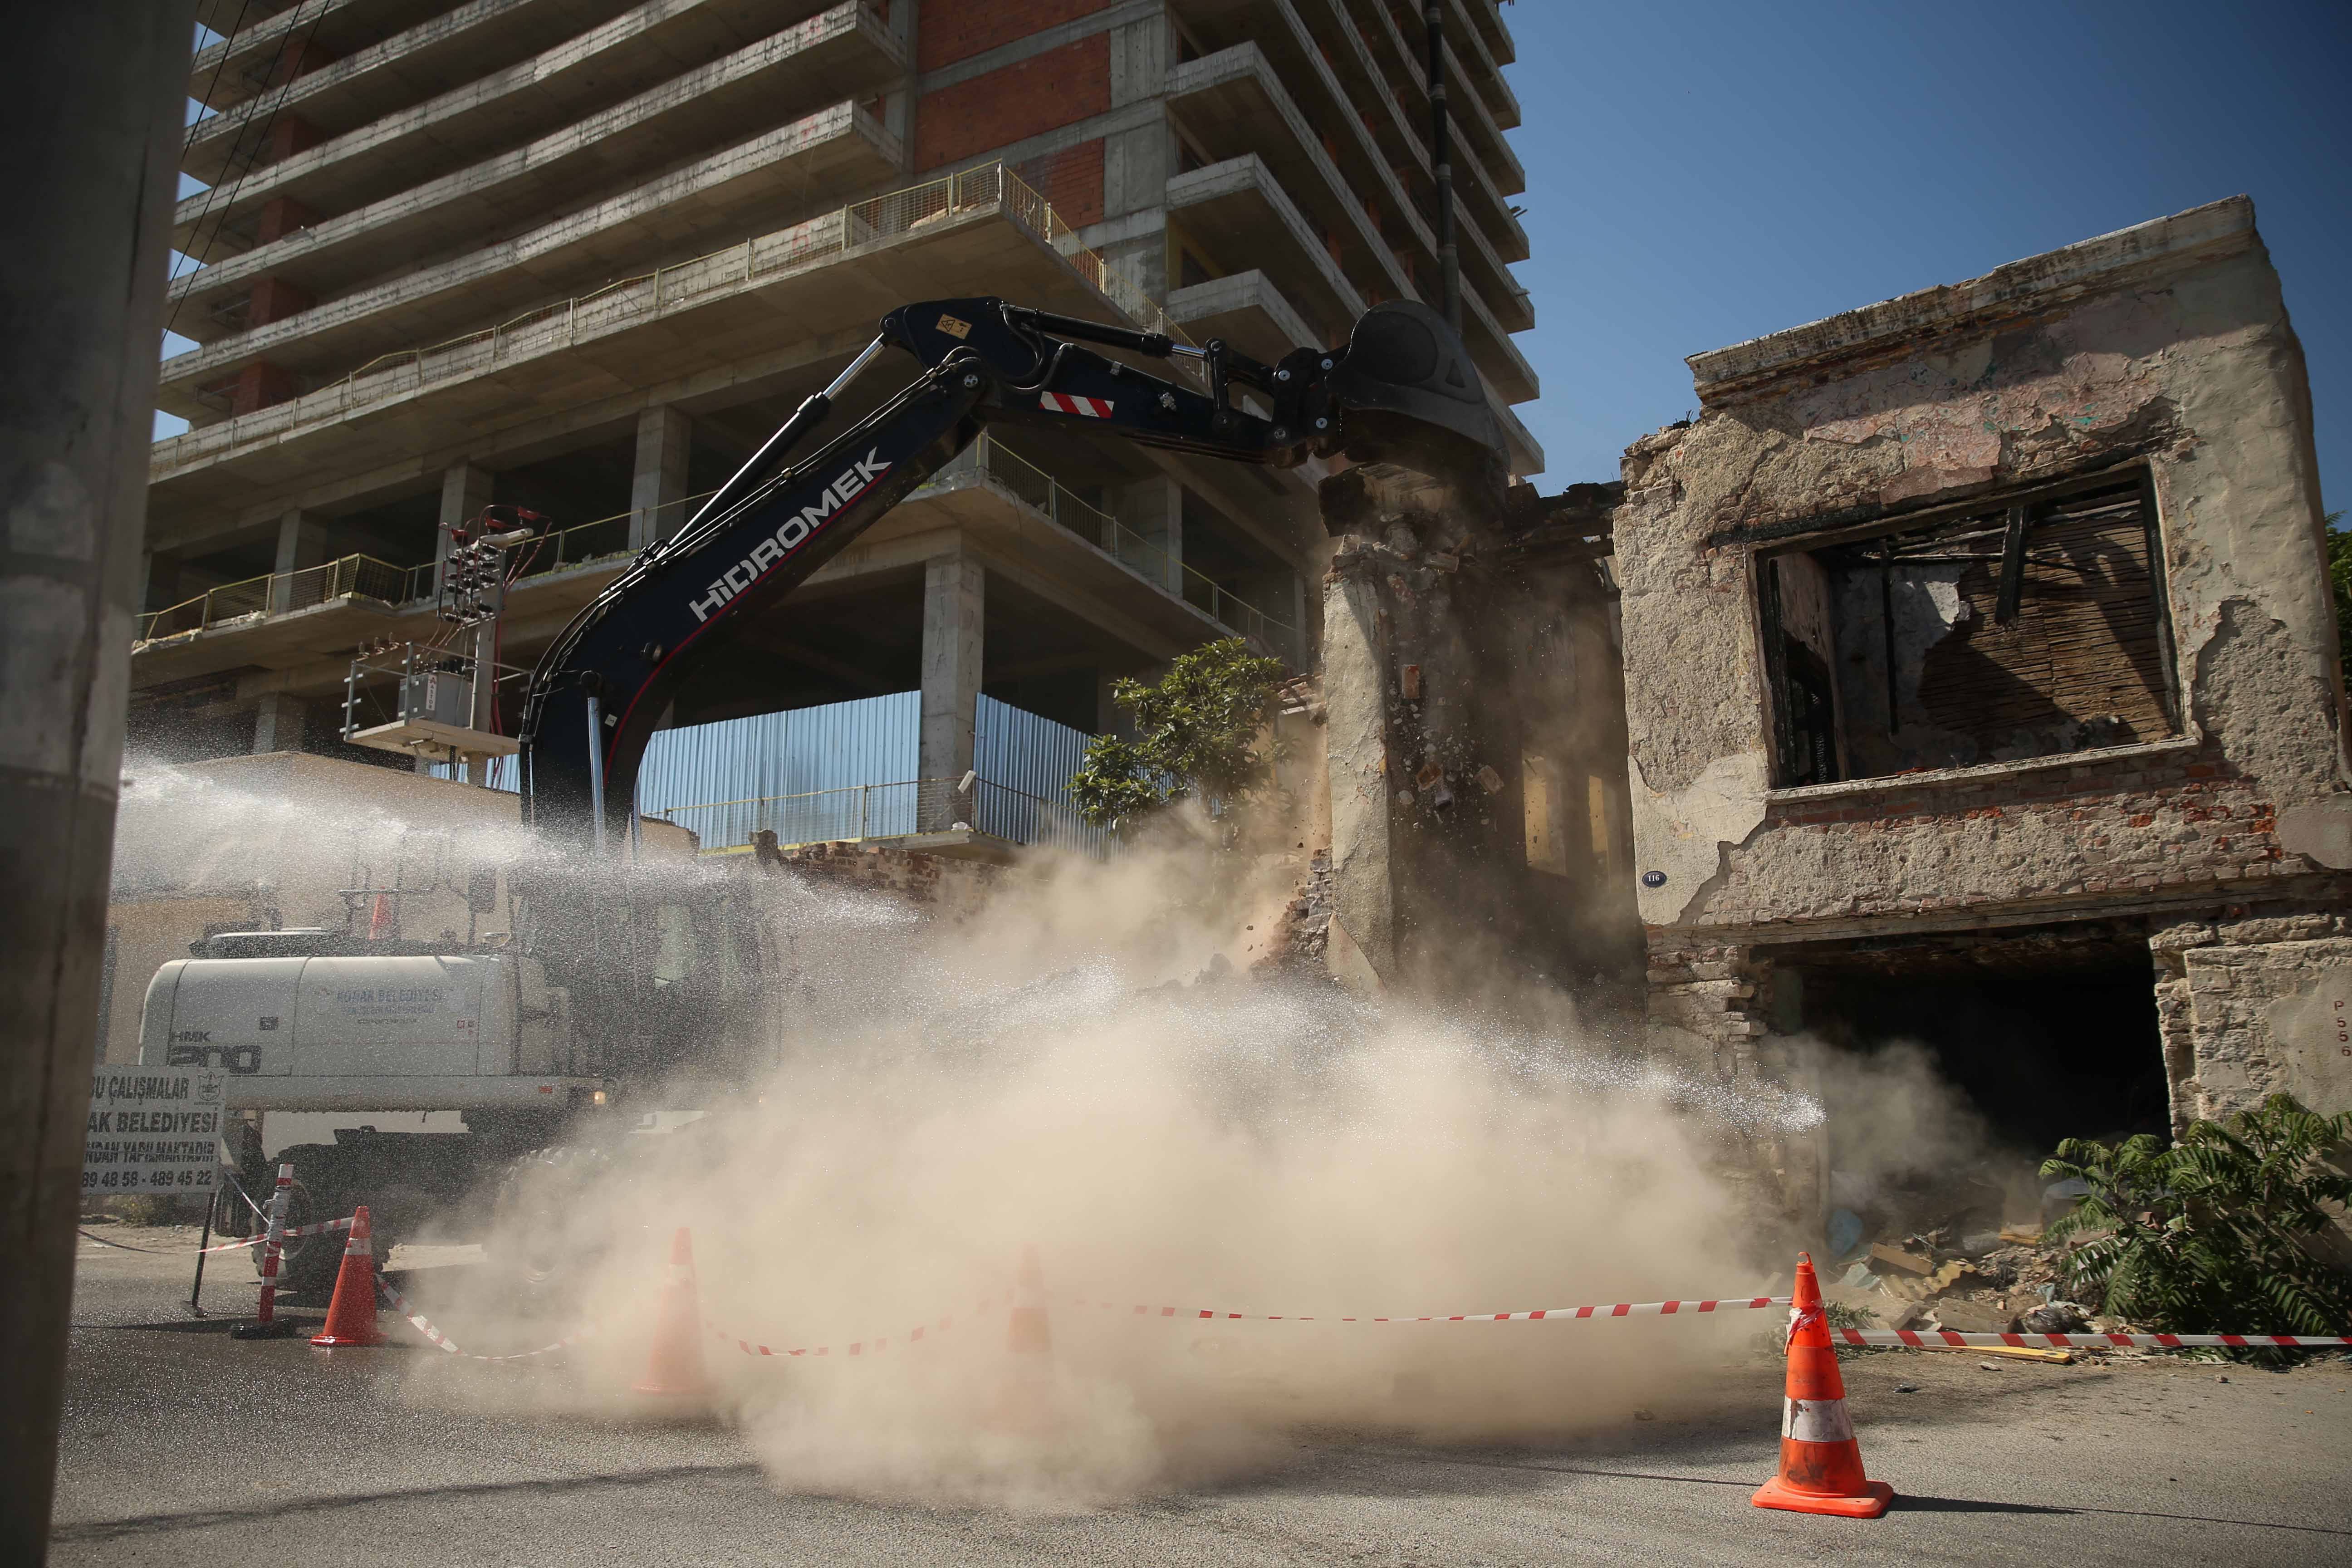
(1971, 1272)
(1987, 1283)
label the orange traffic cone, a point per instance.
(350, 1316)
(1028, 1396)
(675, 1368)
(1820, 1464)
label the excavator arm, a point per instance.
(1404, 386)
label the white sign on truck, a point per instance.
(152, 1130)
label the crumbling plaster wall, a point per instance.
(2168, 342)
(2255, 1005)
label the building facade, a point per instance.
(1983, 689)
(582, 256)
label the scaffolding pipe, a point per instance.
(1440, 156)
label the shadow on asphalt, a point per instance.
(1905, 1502)
(292, 1508)
(1915, 1504)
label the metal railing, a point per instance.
(989, 187)
(608, 539)
(1099, 527)
(894, 810)
(365, 577)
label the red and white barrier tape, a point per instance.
(874, 1346)
(1540, 1314)
(423, 1325)
(1145, 1310)
(2088, 1342)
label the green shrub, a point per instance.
(2216, 1233)
(1195, 733)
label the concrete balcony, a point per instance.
(1479, 139)
(1239, 208)
(1487, 17)
(661, 57)
(248, 62)
(365, 84)
(1248, 311)
(1241, 100)
(1318, 43)
(297, 629)
(826, 157)
(519, 190)
(737, 321)
(1483, 46)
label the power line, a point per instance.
(285, 91)
(219, 66)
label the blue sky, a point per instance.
(1702, 174)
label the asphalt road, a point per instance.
(184, 1446)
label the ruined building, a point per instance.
(582, 257)
(1982, 688)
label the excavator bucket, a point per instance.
(1408, 381)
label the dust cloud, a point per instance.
(1071, 1068)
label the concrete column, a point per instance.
(1362, 948)
(302, 542)
(278, 723)
(95, 133)
(659, 484)
(955, 600)
(1153, 510)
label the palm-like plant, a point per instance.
(2215, 1232)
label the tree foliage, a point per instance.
(2217, 1232)
(1195, 734)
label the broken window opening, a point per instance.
(2028, 625)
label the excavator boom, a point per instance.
(1404, 386)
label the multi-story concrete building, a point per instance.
(581, 255)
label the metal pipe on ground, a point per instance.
(96, 136)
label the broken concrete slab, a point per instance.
(1965, 1317)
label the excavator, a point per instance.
(629, 987)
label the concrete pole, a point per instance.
(955, 602)
(466, 490)
(657, 482)
(95, 133)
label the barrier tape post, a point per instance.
(265, 1325)
(204, 1245)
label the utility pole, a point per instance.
(94, 134)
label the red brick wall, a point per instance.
(947, 31)
(2119, 827)
(1027, 99)
(941, 884)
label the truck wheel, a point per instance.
(533, 1244)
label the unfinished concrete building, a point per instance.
(582, 256)
(1982, 689)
